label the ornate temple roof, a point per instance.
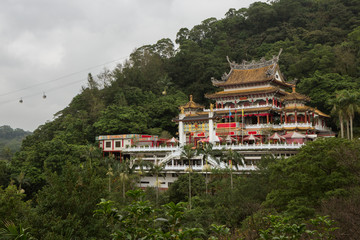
(245, 92)
(297, 108)
(191, 104)
(320, 113)
(252, 72)
(295, 96)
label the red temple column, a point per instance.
(258, 119)
(281, 120)
(295, 117)
(267, 119)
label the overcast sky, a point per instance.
(42, 41)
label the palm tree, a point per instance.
(125, 169)
(207, 151)
(157, 169)
(12, 231)
(345, 105)
(351, 106)
(187, 153)
(338, 109)
(143, 167)
(109, 161)
(234, 159)
(22, 180)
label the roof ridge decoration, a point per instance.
(295, 96)
(246, 65)
(253, 65)
(191, 104)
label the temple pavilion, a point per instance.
(254, 100)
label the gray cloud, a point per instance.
(42, 40)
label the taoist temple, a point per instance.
(255, 102)
(255, 112)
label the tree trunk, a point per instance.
(189, 191)
(123, 185)
(206, 183)
(347, 129)
(351, 127)
(157, 189)
(341, 126)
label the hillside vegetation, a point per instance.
(58, 177)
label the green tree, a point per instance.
(317, 172)
(352, 105)
(157, 169)
(232, 158)
(207, 151)
(188, 153)
(65, 205)
(12, 206)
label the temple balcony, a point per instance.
(260, 146)
(277, 126)
(319, 127)
(183, 168)
(258, 126)
(151, 149)
(289, 125)
(241, 107)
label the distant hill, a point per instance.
(10, 140)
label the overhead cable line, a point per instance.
(23, 98)
(59, 78)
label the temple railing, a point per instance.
(200, 168)
(259, 146)
(297, 124)
(242, 107)
(321, 128)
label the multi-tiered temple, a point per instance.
(254, 103)
(256, 113)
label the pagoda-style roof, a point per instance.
(191, 104)
(297, 108)
(245, 92)
(252, 72)
(320, 113)
(295, 96)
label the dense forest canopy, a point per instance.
(58, 176)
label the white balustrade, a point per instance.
(260, 146)
(242, 107)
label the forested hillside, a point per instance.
(10, 141)
(58, 176)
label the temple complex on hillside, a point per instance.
(255, 112)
